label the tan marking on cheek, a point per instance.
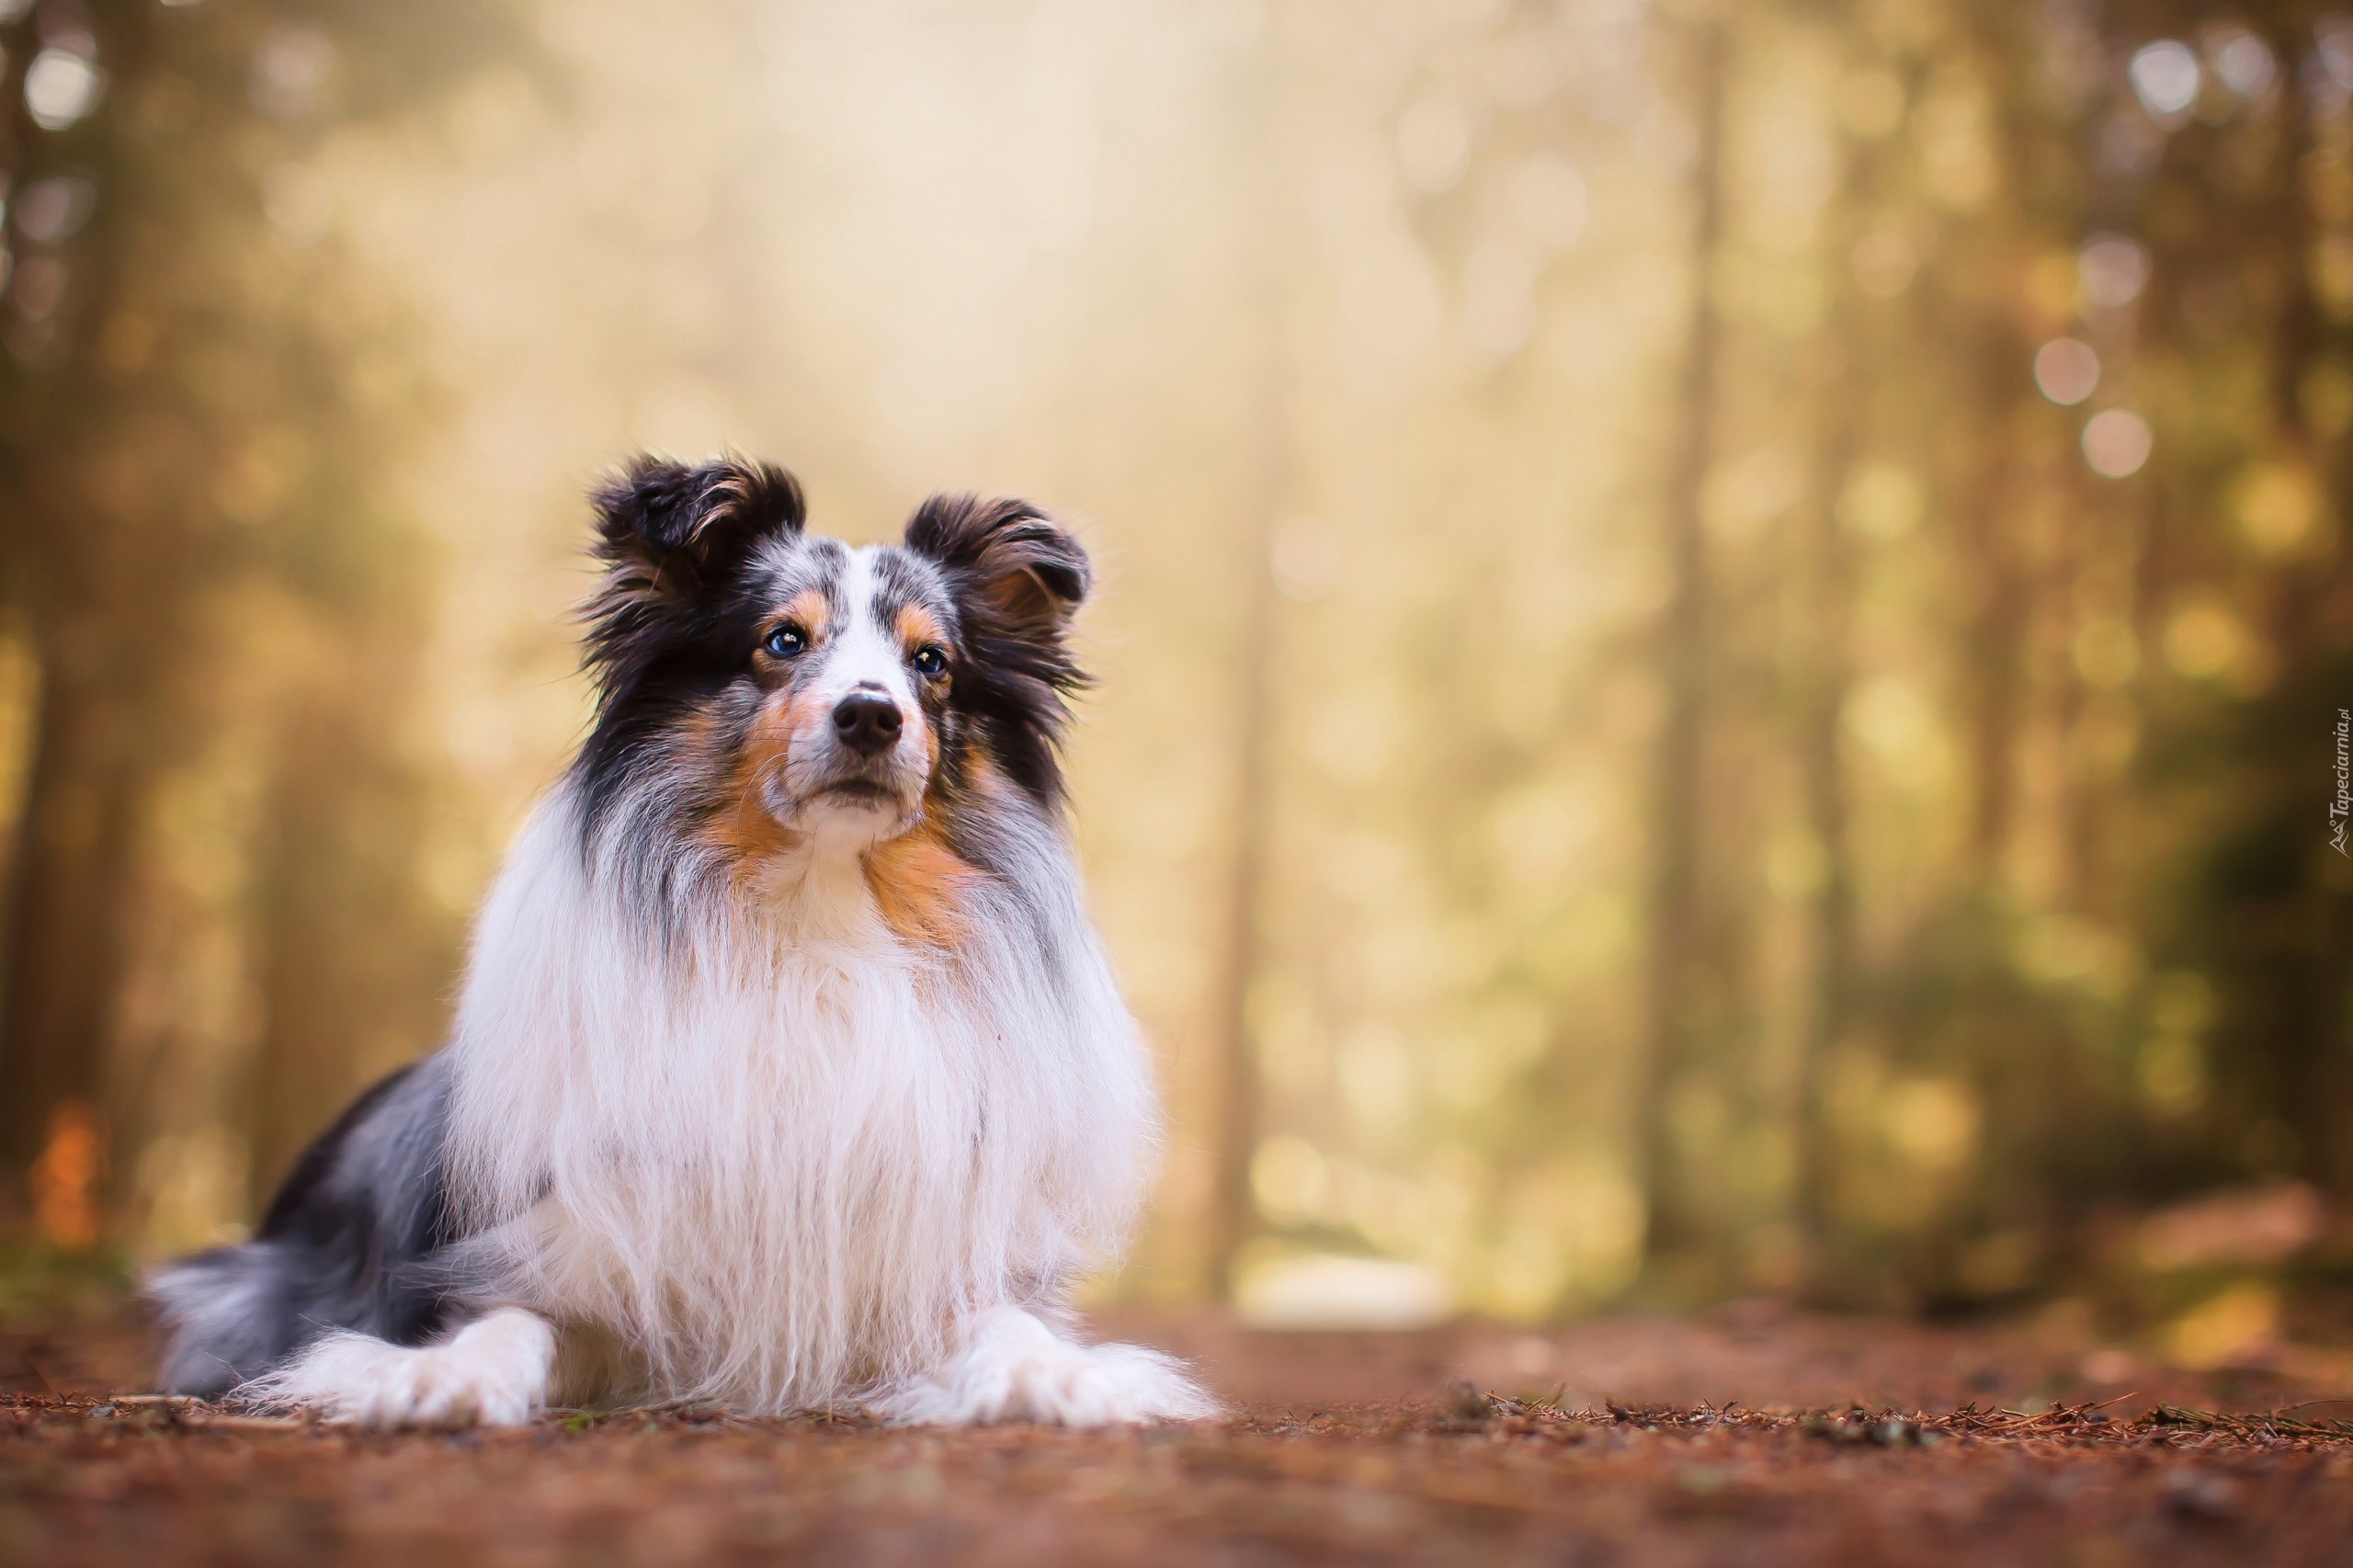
(743, 828)
(915, 627)
(980, 775)
(919, 885)
(699, 748)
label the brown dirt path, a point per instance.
(1379, 1449)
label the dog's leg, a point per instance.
(1012, 1366)
(494, 1373)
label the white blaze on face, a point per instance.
(864, 652)
(860, 654)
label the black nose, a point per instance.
(867, 722)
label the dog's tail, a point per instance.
(228, 1314)
(355, 1240)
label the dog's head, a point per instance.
(760, 684)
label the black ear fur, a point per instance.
(1017, 580)
(663, 624)
(669, 535)
(1030, 573)
(673, 528)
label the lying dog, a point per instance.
(789, 1071)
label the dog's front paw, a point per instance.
(1128, 1383)
(493, 1372)
(1014, 1368)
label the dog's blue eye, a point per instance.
(930, 662)
(785, 642)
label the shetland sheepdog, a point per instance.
(787, 1072)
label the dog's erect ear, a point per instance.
(669, 538)
(1006, 558)
(666, 529)
(1017, 580)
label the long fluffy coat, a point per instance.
(788, 1070)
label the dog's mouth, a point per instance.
(863, 791)
(871, 790)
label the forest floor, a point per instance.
(1744, 1436)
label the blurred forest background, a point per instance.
(1725, 635)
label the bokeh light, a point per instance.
(2113, 269)
(61, 87)
(2066, 371)
(2166, 77)
(2117, 442)
(2243, 62)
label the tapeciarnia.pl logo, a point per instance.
(2340, 810)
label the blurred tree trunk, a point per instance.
(151, 395)
(1829, 567)
(1679, 985)
(1232, 1217)
(2074, 524)
(1997, 626)
(1234, 1139)
(1999, 617)
(64, 954)
(1991, 493)
(100, 605)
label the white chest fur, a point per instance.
(783, 1157)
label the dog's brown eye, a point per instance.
(784, 641)
(930, 662)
